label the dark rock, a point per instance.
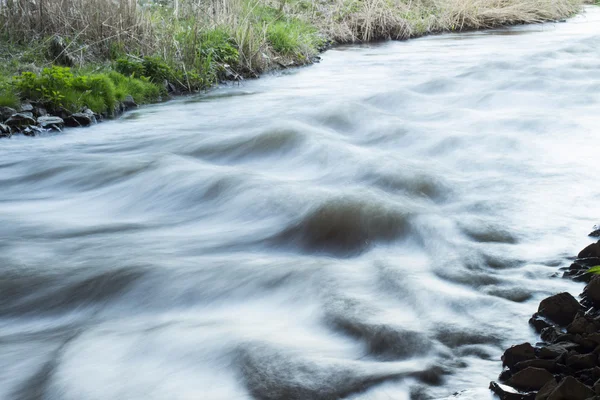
(581, 361)
(57, 52)
(538, 322)
(26, 107)
(560, 308)
(169, 87)
(571, 389)
(530, 379)
(581, 324)
(508, 393)
(592, 291)
(518, 353)
(554, 334)
(595, 232)
(505, 375)
(587, 376)
(556, 350)
(596, 387)
(20, 120)
(40, 112)
(80, 119)
(129, 103)
(593, 250)
(548, 365)
(546, 390)
(6, 113)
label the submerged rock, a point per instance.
(560, 308)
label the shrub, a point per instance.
(58, 87)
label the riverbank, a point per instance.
(565, 364)
(81, 68)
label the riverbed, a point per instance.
(380, 225)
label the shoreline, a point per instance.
(565, 364)
(32, 118)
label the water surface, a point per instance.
(377, 226)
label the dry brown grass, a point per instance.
(96, 28)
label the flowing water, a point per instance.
(377, 226)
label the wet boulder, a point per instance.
(50, 122)
(581, 361)
(530, 378)
(560, 308)
(518, 353)
(593, 250)
(556, 350)
(129, 103)
(538, 322)
(508, 393)
(548, 365)
(20, 120)
(546, 390)
(571, 389)
(26, 107)
(80, 119)
(6, 113)
(592, 291)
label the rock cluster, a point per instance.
(566, 364)
(31, 118)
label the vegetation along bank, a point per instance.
(74, 62)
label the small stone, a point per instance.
(530, 379)
(518, 353)
(571, 389)
(560, 308)
(593, 250)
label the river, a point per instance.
(380, 225)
